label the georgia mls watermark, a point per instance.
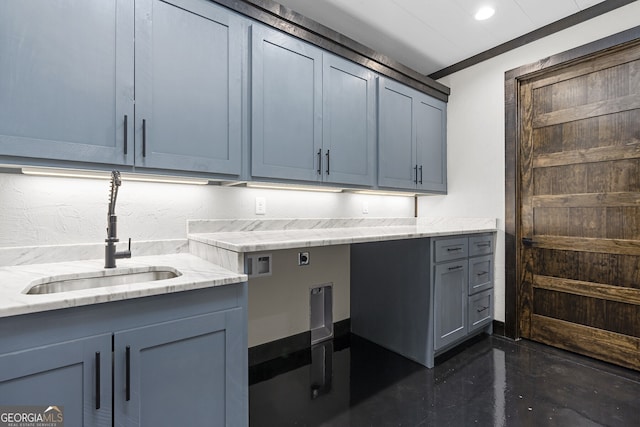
(31, 416)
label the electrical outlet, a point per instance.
(365, 207)
(303, 258)
(261, 206)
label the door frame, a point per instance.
(512, 231)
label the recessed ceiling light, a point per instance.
(485, 12)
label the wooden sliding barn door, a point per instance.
(580, 207)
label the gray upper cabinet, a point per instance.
(286, 106)
(188, 86)
(397, 163)
(67, 79)
(67, 91)
(348, 122)
(431, 144)
(313, 114)
(412, 139)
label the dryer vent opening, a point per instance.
(321, 308)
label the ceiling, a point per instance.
(429, 35)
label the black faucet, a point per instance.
(110, 254)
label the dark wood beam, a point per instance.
(284, 19)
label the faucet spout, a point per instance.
(110, 253)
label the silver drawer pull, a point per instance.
(480, 310)
(482, 273)
(483, 245)
(454, 249)
(457, 267)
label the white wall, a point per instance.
(476, 128)
(279, 303)
(38, 211)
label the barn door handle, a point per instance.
(528, 241)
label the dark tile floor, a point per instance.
(492, 382)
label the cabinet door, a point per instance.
(397, 143)
(450, 302)
(64, 375)
(431, 144)
(348, 122)
(67, 79)
(188, 86)
(190, 371)
(286, 107)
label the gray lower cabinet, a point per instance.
(412, 139)
(74, 375)
(463, 287)
(450, 302)
(69, 86)
(165, 358)
(413, 296)
(187, 365)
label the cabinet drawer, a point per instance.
(450, 249)
(481, 245)
(480, 274)
(480, 310)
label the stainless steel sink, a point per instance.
(100, 279)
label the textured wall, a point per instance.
(279, 304)
(51, 211)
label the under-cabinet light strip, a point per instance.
(78, 173)
(385, 193)
(268, 186)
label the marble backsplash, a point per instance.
(26, 255)
(234, 225)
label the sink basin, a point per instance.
(100, 279)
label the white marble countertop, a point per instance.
(256, 236)
(15, 281)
